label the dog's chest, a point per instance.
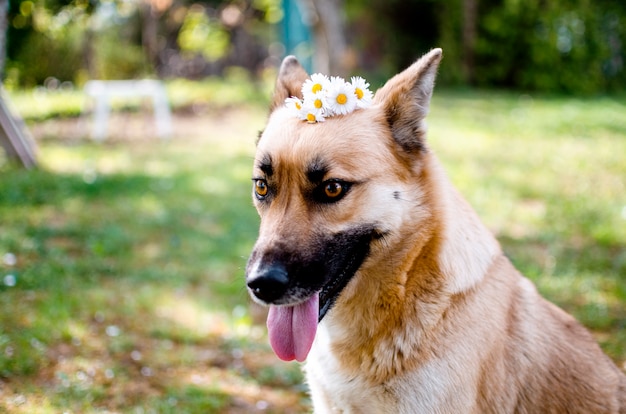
(332, 391)
(430, 388)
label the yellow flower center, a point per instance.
(359, 93)
(318, 103)
(298, 106)
(316, 88)
(310, 117)
(342, 99)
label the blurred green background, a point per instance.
(574, 46)
(122, 261)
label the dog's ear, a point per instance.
(405, 98)
(291, 76)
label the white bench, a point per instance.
(103, 91)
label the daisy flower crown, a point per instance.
(324, 97)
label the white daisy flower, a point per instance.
(311, 114)
(342, 98)
(319, 101)
(315, 84)
(294, 105)
(324, 97)
(363, 94)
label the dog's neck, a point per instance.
(412, 287)
(467, 247)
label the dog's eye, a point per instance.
(331, 191)
(260, 188)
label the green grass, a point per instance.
(127, 289)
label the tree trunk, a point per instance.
(89, 63)
(149, 32)
(4, 25)
(470, 14)
(330, 41)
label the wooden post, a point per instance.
(14, 137)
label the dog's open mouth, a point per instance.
(292, 328)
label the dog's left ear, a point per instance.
(291, 76)
(405, 98)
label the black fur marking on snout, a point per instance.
(326, 265)
(352, 247)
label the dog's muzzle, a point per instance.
(284, 276)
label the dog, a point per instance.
(380, 275)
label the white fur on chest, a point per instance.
(332, 390)
(436, 387)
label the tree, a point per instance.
(470, 23)
(330, 40)
(4, 9)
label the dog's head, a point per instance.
(333, 197)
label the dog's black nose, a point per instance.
(270, 284)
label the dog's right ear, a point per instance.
(405, 99)
(291, 76)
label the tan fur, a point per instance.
(436, 320)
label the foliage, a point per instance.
(110, 39)
(45, 38)
(568, 46)
(46, 51)
(115, 62)
(571, 46)
(558, 46)
(202, 34)
(121, 263)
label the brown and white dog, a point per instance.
(419, 310)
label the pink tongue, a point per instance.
(292, 329)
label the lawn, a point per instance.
(121, 263)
